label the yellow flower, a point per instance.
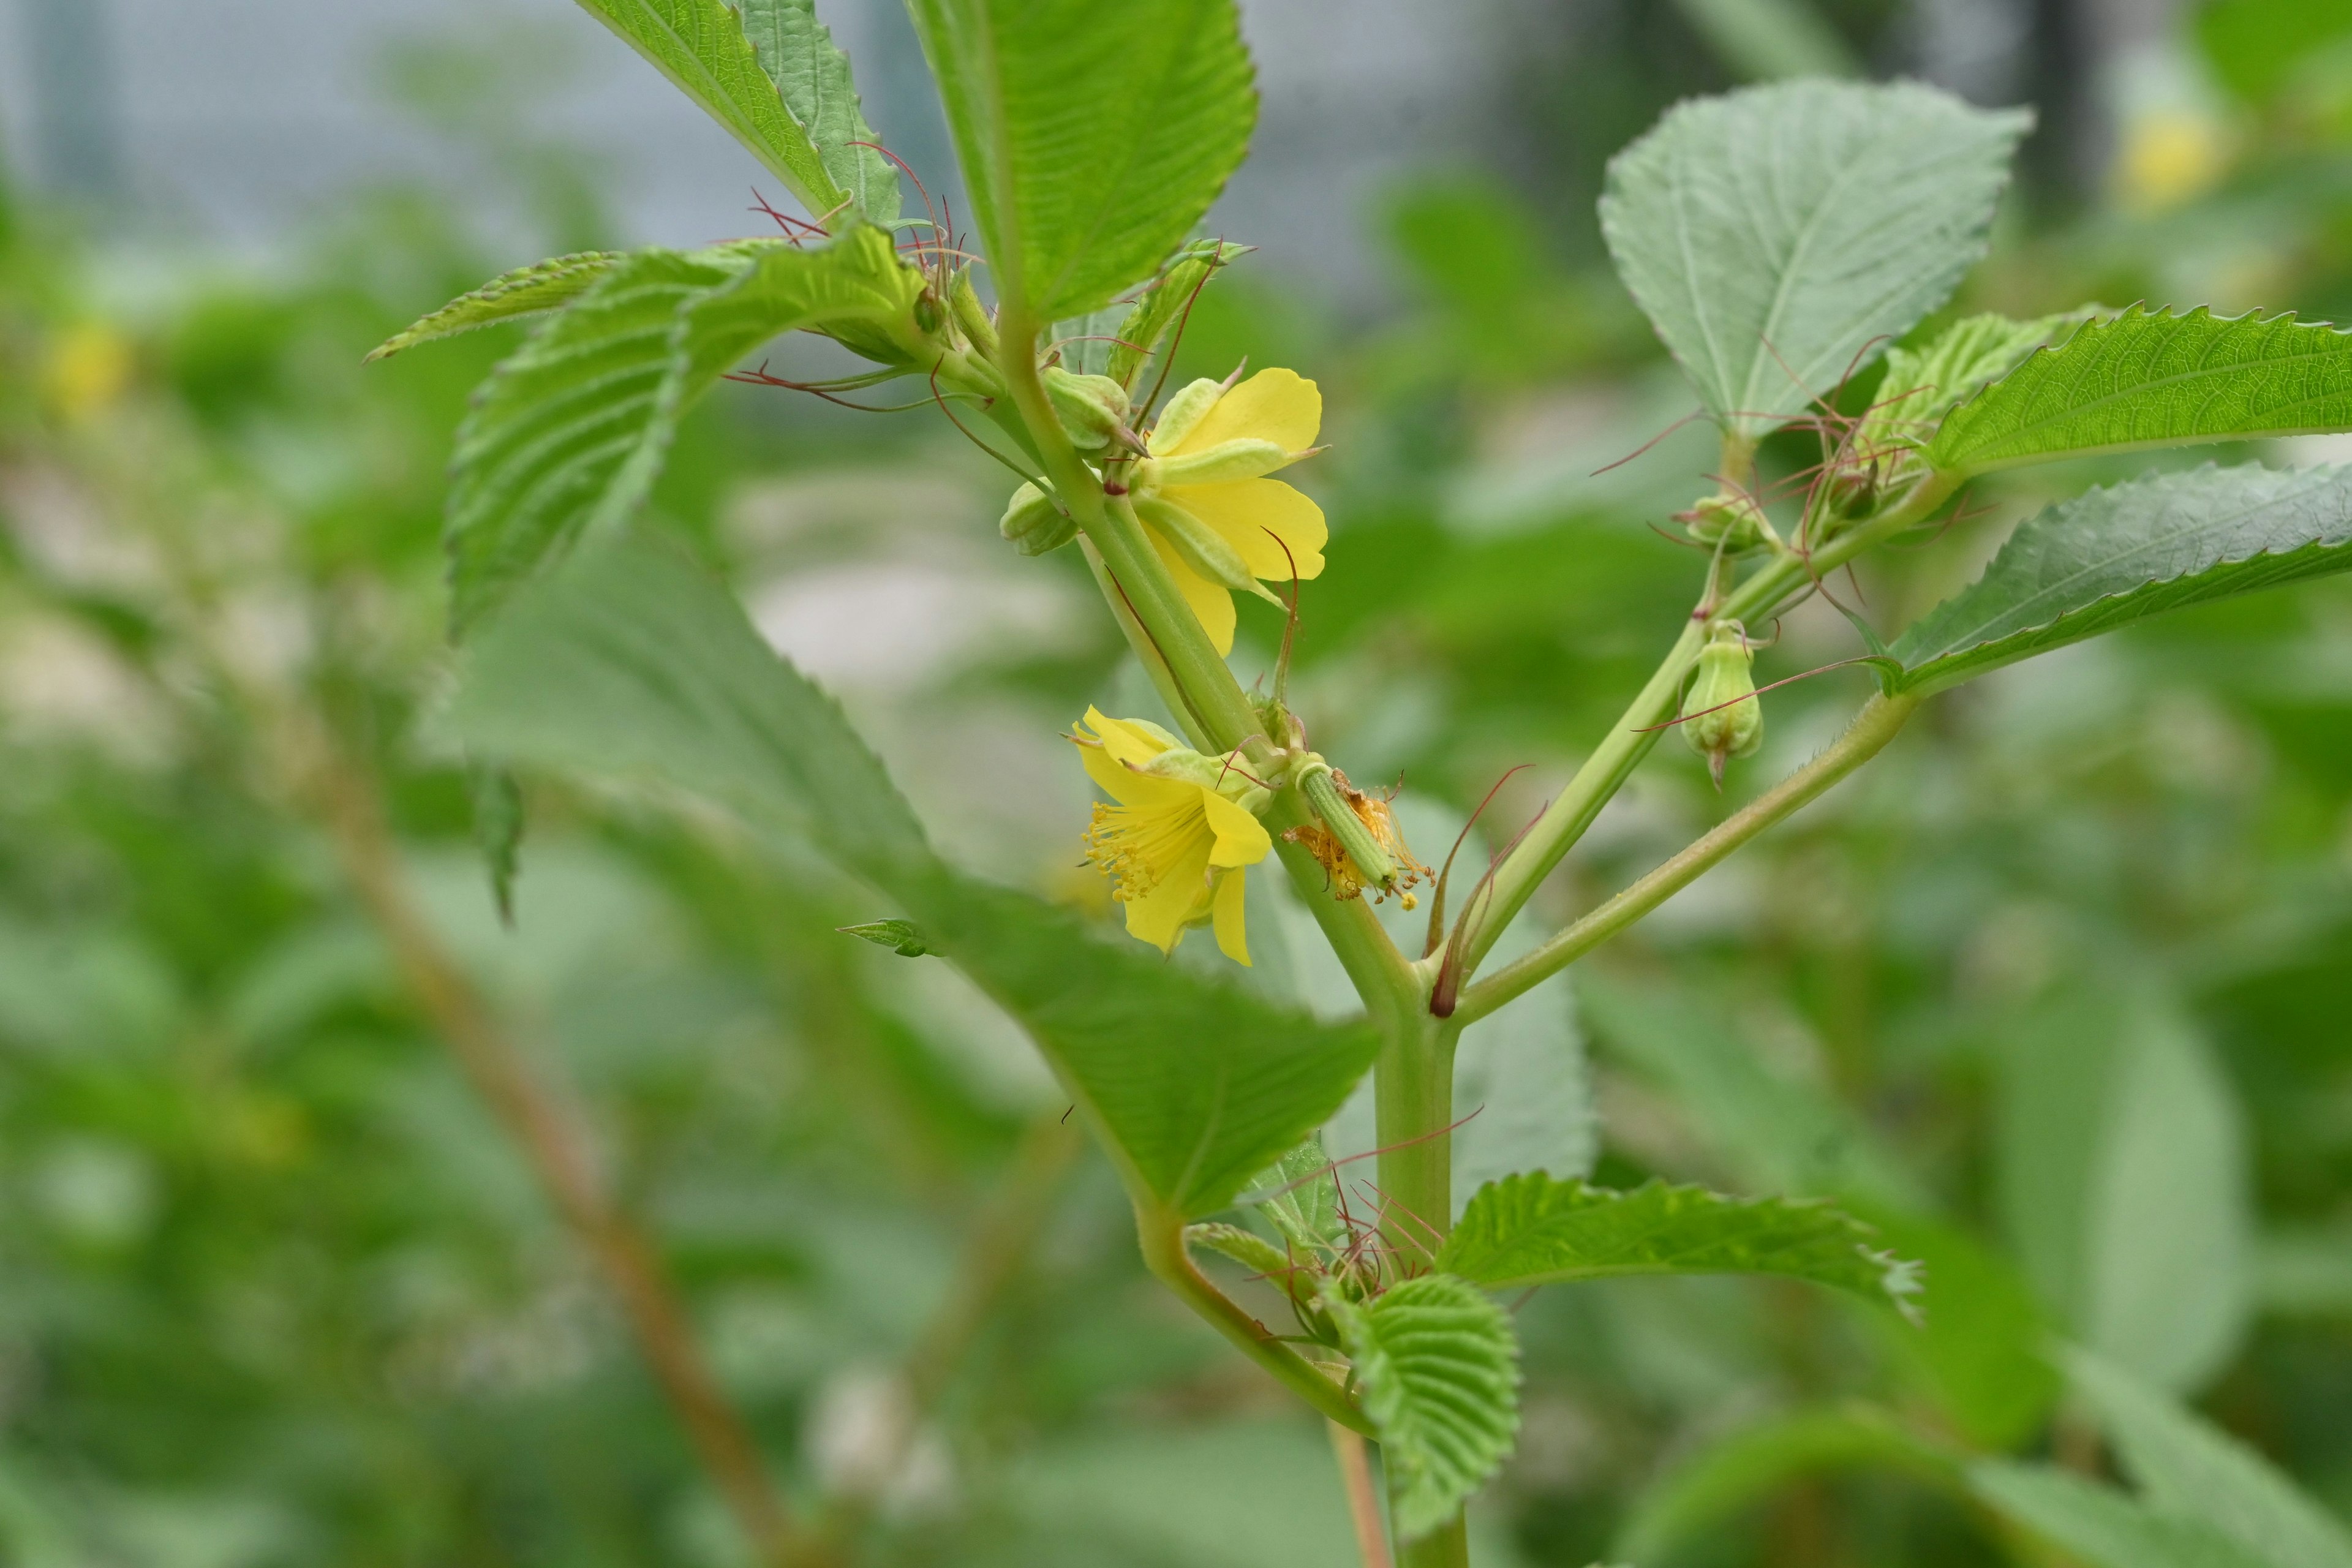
(1174, 844)
(1217, 521)
(89, 367)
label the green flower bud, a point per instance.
(1721, 716)
(978, 329)
(1035, 524)
(1092, 408)
(1734, 521)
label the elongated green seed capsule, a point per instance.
(1722, 717)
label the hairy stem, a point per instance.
(1876, 725)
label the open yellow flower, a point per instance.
(1174, 844)
(1217, 521)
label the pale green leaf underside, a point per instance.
(2186, 1466)
(1776, 237)
(632, 663)
(1092, 137)
(1436, 1364)
(1301, 1196)
(2155, 379)
(700, 45)
(2100, 1526)
(570, 433)
(515, 295)
(2110, 557)
(1532, 1230)
(811, 75)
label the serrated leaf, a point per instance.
(497, 831)
(1092, 137)
(2186, 1468)
(812, 75)
(1163, 304)
(1436, 1364)
(1303, 1197)
(1532, 1230)
(701, 45)
(2155, 379)
(2103, 1526)
(570, 433)
(516, 296)
(2110, 557)
(1922, 385)
(631, 662)
(901, 937)
(1775, 235)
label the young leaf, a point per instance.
(632, 662)
(1246, 1247)
(1305, 1202)
(1777, 235)
(1532, 1230)
(812, 75)
(2103, 1526)
(901, 937)
(2155, 379)
(515, 295)
(701, 45)
(1162, 305)
(1922, 385)
(1437, 1366)
(1092, 137)
(570, 433)
(497, 831)
(2186, 1468)
(2110, 557)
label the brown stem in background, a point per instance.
(1363, 1497)
(557, 1149)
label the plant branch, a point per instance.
(1363, 1498)
(1876, 725)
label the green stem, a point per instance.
(1876, 725)
(1603, 774)
(1163, 1235)
(1412, 1086)
(1448, 1546)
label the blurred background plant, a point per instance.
(2057, 993)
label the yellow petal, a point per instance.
(1212, 605)
(1253, 515)
(1160, 916)
(1242, 839)
(1126, 740)
(1277, 405)
(1232, 940)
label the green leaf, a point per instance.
(2155, 379)
(1777, 235)
(1521, 1080)
(1980, 1346)
(2102, 1526)
(1246, 1247)
(702, 46)
(812, 75)
(1162, 305)
(1532, 1230)
(1437, 1366)
(2110, 557)
(1304, 1201)
(1092, 137)
(2185, 1466)
(1765, 40)
(570, 433)
(515, 295)
(1922, 385)
(901, 937)
(498, 830)
(632, 662)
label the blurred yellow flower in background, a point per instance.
(88, 368)
(2170, 157)
(1174, 844)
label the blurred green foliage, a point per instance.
(2056, 992)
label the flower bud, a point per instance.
(1733, 521)
(1092, 408)
(1721, 716)
(1035, 524)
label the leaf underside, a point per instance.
(812, 75)
(515, 295)
(569, 434)
(630, 662)
(1777, 236)
(1531, 1229)
(1437, 1366)
(2155, 379)
(2113, 556)
(1092, 137)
